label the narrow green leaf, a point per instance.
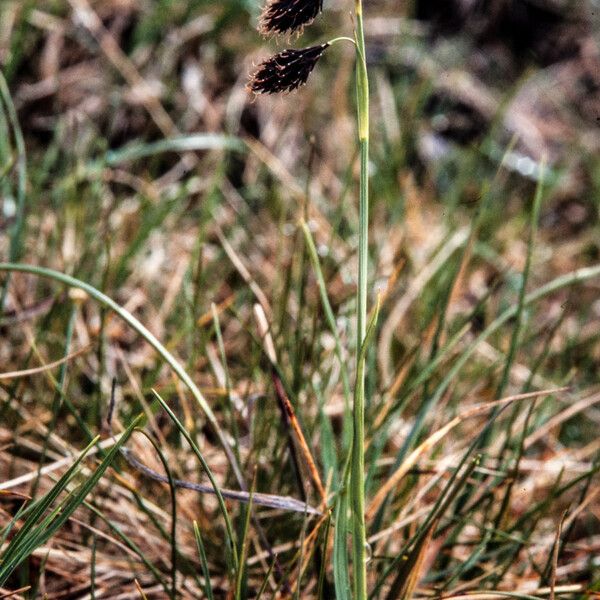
(203, 563)
(209, 474)
(16, 231)
(173, 492)
(244, 545)
(188, 143)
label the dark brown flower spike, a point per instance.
(285, 71)
(283, 16)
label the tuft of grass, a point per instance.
(39, 527)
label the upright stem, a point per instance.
(358, 448)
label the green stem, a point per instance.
(358, 447)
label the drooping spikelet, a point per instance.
(283, 16)
(285, 71)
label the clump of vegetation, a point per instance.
(188, 406)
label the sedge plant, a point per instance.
(285, 72)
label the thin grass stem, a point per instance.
(173, 492)
(357, 478)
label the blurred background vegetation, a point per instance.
(132, 157)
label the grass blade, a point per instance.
(16, 233)
(186, 143)
(209, 474)
(203, 563)
(244, 546)
(173, 492)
